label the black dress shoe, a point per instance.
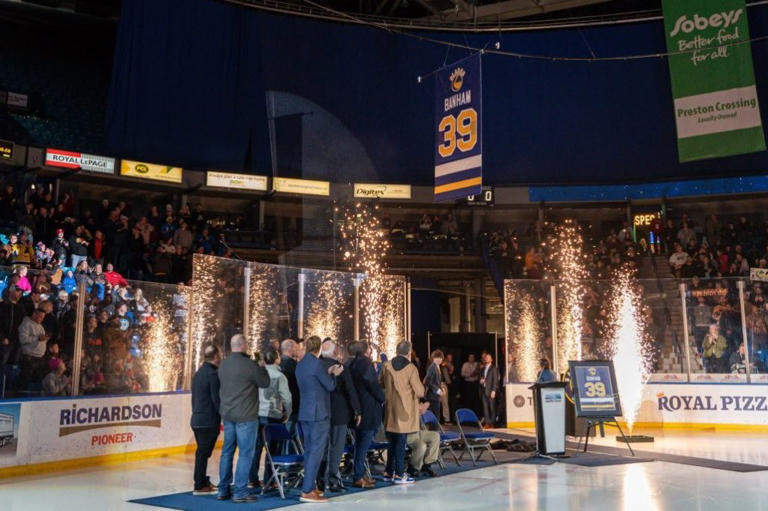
(427, 471)
(242, 500)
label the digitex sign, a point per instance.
(381, 191)
(78, 161)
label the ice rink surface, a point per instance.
(641, 486)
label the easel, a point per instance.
(593, 422)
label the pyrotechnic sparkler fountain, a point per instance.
(217, 300)
(628, 345)
(522, 327)
(161, 354)
(163, 332)
(567, 265)
(328, 307)
(364, 247)
(263, 304)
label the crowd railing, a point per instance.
(688, 330)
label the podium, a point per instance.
(549, 413)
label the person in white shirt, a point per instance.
(32, 335)
(678, 258)
(33, 343)
(56, 383)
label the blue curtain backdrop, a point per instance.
(189, 88)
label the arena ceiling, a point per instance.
(421, 14)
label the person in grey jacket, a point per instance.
(240, 379)
(275, 406)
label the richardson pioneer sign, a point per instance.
(78, 161)
(74, 419)
(62, 429)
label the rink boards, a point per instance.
(674, 405)
(56, 433)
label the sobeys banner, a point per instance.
(713, 82)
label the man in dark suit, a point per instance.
(345, 409)
(288, 367)
(489, 389)
(371, 395)
(316, 382)
(433, 383)
(205, 416)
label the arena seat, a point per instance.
(473, 440)
(447, 438)
(287, 469)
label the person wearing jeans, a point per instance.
(240, 379)
(240, 435)
(403, 388)
(372, 399)
(396, 453)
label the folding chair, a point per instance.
(286, 468)
(473, 441)
(447, 438)
(298, 438)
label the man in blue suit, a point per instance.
(315, 386)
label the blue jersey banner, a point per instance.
(458, 135)
(594, 388)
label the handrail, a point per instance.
(493, 268)
(667, 312)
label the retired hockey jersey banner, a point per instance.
(713, 82)
(458, 123)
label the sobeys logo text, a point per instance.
(721, 19)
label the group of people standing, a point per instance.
(319, 398)
(478, 388)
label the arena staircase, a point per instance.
(663, 296)
(497, 275)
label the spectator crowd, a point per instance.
(52, 259)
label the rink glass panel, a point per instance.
(383, 321)
(528, 327)
(218, 299)
(143, 343)
(674, 356)
(716, 327)
(328, 304)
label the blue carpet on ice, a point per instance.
(188, 502)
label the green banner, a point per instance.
(713, 82)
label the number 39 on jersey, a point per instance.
(458, 130)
